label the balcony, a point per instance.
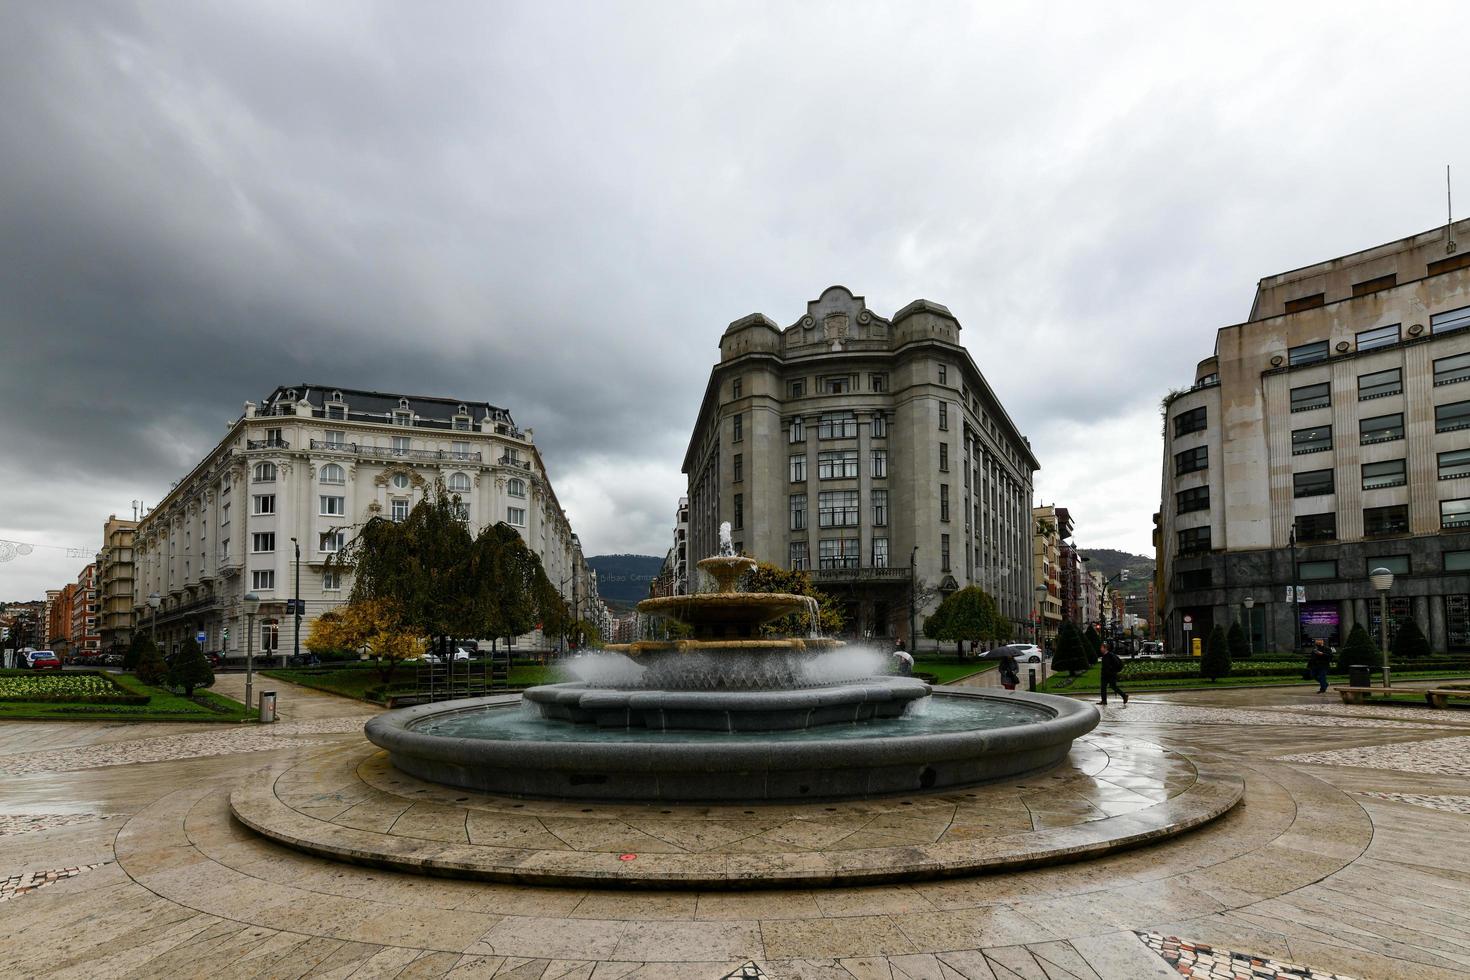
(524, 464)
(267, 444)
(388, 452)
(859, 575)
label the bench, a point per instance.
(1439, 697)
(1357, 695)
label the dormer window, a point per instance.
(402, 418)
(462, 423)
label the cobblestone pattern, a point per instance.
(1439, 757)
(1155, 712)
(1450, 804)
(1427, 715)
(1208, 963)
(24, 823)
(164, 748)
(28, 881)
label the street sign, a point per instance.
(202, 637)
(1188, 620)
(295, 607)
(1300, 591)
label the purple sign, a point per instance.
(1320, 620)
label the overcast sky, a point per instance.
(558, 207)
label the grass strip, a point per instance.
(162, 705)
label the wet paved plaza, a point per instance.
(1349, 857)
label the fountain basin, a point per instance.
(966, 737)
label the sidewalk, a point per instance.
(294, 702)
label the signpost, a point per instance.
(1188, 628)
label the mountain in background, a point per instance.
(1110, 563)
(623, 580)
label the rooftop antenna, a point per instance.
(1449, 214)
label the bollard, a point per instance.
(267, 706)
(1031, 681)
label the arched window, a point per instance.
(400, 481)
(516, 488)
(264, 473)
(459, 482)
(332, 473)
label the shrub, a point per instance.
(151, 669)
(1235, 639)
(1070, 655)
(1215, 664)
(1410, 643)
(1092, 644)
(1358, 650)
(189, 669)
(136, 649)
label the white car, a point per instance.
(1025, 653)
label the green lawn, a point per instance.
(363, 682)
(65, 696)
(947, 670)
(1087, 683)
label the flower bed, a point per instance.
(65, 687)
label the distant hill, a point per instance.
(624, 579)
(1111, 562)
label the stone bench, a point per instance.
(1439, 697)
(1357, 695)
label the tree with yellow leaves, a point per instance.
(372, 625)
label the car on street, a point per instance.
(1150, 650)
(1025, 653)
(41, 660)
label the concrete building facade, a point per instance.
(115, 599)
(1327, 435)
(1046, 570)
(869, 451)
(85, 639)
(314, 463)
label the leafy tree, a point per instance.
(372, 625)
(151, 669)
(189, 668)
(969, 614)
(766, 577)
(1092, 644)
(510, 591)
(1236, 641)
(136, 650)
(1409, 643)
(586, 632)
(1070, 654)
(1215, 664)
(1357, 651)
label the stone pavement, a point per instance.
(1338, 867)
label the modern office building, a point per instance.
(862, 447)
(115, 598)
(1328, 435)
(309, 465)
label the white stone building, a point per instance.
(307, 467)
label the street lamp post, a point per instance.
(154, 601)
(914, 601)
(296, 642)
(1296, 610)
(1250, 626)
(251, 604)
(1382, 581)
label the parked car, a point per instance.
(41, 660)
(1025, 653)
(110, 660)
(215, 661)
(1150, 650)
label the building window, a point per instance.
(1378, 337)
(798, 511)
(839, 385)
(400, 481)
(837, 426)
(944, 553)
(265, 503)
(1308, 397)
(1398, 564)
(1449, 418)
(1454, 464)
(1381, 428)
(798, 555)
(459, 450)
(1450, 320)
(797, 465)
(880, 508)
(1308, 570)
(1202, 578)
(1448, 370)
(398, 508)
(796, 389)
(337, 412)
(264, 473)
(331, 580)
(1315, 483)
(516, 487)
(880, 552)
(737, 388)
(739, 521)
(943, 374)
(1374, 285)
(273, 437)
(1380, 384)
(333, 506)
(1192, 460)
(944, 457)
(737, 431)
(330, 542)
(944, 501)
(461, 423)
(877, 382)
(737, 468)
(1305, 302)
(263, 579)
(1389, 473)
(1457, 561)
(224, 550)
(1454, 513)
(515, 516)
(400, 445)
(1307, 353)
(459, 482)
(1316, 527)
(1315, 439)
(1193, 420)
(837, 508)
(262, 542)
(270, 634)
(798, 430)
(1194, 540)
(333, 474)
(944, 416)
(880, 463)
(1386, 520)
(1195, 498)
(403, 418)
(838, 553)
(880, 426)
(837, 464)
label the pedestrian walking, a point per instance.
(903, 664)
(1319, 661)
(1112, 668)
(1010, 672)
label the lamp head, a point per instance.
(251, 603)
(1249, 601)
(1381, 578)
(155, 600)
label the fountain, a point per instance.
(730, 714)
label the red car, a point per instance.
(42, 660)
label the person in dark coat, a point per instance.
(1010, 672)
(1319, 661)
(1112, 667)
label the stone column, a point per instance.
(1438, 632)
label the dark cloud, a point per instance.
(558, 207)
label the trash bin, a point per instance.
(267, 706)
(1360, 676)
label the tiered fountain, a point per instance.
(731, 715)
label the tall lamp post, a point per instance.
(251, 604)
(914, 601)
(154, 601)
(296, 641)
(1041, 593)
(1250, 626)
(1382, 581)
